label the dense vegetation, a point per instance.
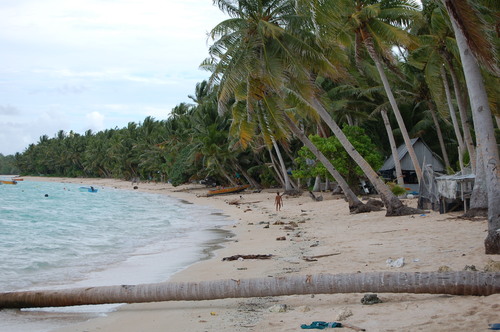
(233, 130)
(8, 165)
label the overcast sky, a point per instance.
(96, 64)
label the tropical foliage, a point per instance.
(282, 68)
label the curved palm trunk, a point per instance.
(224, 173)
(439, 135)
(393, 205)
(462, 109)
(458, 134)
(352, 199)
(483, 125)
(247, 176)
(394, 149)
(404, 132)
(277, 174)
(286, 178)
(455, 283)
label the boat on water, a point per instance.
(88, 189)
(8, 182)
(17, 179)
(228, 190)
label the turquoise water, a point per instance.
(73, 238)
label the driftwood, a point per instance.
(315, 198)
(453, 283)
(236, 257)
(355, 328)
(314, 258)
(238, 202)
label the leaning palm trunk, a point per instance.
(439, 135)
(458, 134)
(404, 132)
(286, 178)
(455, 283)
(394, 149)
(393, 205)
(483, 124)
(353, 200)
(462, 109)
(277, 174)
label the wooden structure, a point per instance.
(424, 155)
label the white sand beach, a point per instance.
(344, 243)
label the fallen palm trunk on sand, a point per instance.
(454, 283)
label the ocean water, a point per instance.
(53, 236)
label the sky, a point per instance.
(96, 64)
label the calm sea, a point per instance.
(54, 236)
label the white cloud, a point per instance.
(78, 58)
(95, 121)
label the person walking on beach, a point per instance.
(278, 201)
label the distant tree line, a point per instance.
(8, 165)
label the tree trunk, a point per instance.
(394, 149)
(483, 125)
(462, 109)
(317, 184)
(247, 176)
(458, 134)
(352, 199)
(373, 54)
(286, 178)
(227, 176)
(277, 174)
(479, 197)
(393, 205)
(454, 283)
(439, 134)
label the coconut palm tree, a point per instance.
(454, 283)
(378, 26)
(474, 48)
(263, 49)
(437, 51)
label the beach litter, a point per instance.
(369, 299)
(344, 314)
(319, 325)
(396, 263)
(243, 257)
(278, 308)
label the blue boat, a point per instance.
(88, 189)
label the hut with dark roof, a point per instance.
(424, 155)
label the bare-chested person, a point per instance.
(278, 201)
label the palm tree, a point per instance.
(263, 53)
(474, 48)
(352, 199)
(454, 283)
(378, 26)
(438, 51)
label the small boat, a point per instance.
(8, 181)
(88, 189)
(229, 190)
(17, 179)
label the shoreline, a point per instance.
(346, 243)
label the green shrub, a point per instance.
(396, 189)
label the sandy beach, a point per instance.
(341, 243)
